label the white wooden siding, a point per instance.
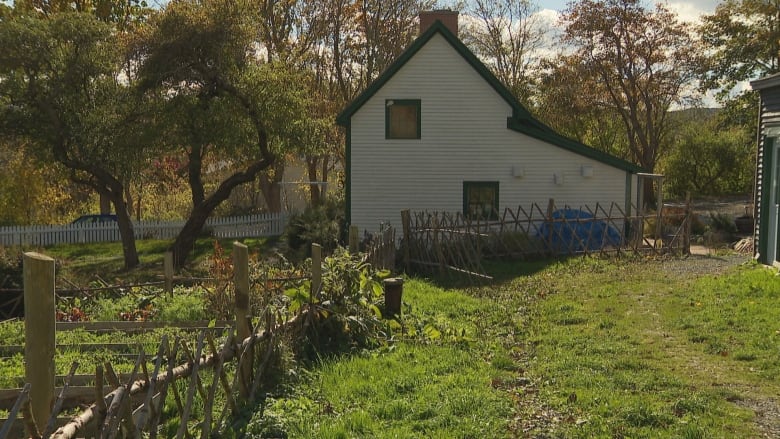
(464, 138)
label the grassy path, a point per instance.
(647, 350)
(584, 348)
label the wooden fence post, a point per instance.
(406, 225)
(316, 269)
(241, 281)
(353, 239)
(168, 271)
(39, 327)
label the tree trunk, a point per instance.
(105, 204)
(648, 193)
(126, 231)
(185, 240)
(314, 189)
(271, 189)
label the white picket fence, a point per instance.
(271, 224)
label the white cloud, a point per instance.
(691, 11)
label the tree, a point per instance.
(345, 44)
(570, 100)
(508, 36)
(642, 60)
(225, 100)
(68, 97)
(31, 193)
(742, 40)
(707, 159)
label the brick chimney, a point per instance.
(447, 17)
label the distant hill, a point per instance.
(694, 114)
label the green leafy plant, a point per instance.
(184, 305)
(343, 313)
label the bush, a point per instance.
(344, 314)
(10, 267)
(722, 228)
(324, 224)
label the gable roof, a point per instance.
(521, 120)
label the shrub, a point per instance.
(344, 314)
(10, 267)
(323, 224)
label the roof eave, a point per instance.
(766, 82)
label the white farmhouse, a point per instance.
(438, 131)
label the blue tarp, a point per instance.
(579, 232)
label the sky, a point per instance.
(687, 10)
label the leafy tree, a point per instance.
(121, 13)
(202, 57)
(31, 193)
(571, 101)
(742, 40)
(642, 59)
(68, 97)
(507, 35)
(707, 159)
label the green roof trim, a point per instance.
(521, 121)
(436, 28)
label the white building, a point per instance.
(438, 131)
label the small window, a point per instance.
(480, 199)
(402, 119)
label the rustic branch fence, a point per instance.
(134, 403)
(131, 405)
(452, 243)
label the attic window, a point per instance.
(402, 119)
(480, 200)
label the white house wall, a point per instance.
(464, 138)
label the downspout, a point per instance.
(756, 205)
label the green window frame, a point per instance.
(403, 119)
(480, 200)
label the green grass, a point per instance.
(578, 349)
(81, 262)
(413, 391)
(638, 352)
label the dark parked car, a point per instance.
(95, 219)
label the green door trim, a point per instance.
(766, 190)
